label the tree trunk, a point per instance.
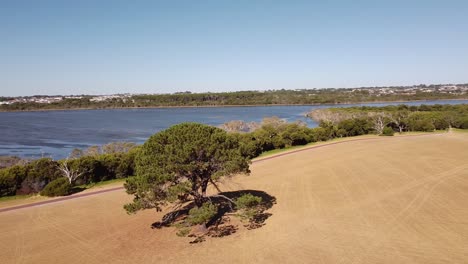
(199, 200)
(204, 186)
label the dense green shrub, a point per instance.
(247, 206)
(294, 135)
(249, 146)
(92, 168)
(440, 122)
(57, 187)
(7, 183)
(461, 122)
(247, 200)
(354, 127)
(38, 174)
(34, 176)
(203, 214)
(116, 166)
(421, 125)
(388, 131)
(320, 134)
(11, 179)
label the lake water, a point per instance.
(56, 133)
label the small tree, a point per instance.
(179, 163)
(68, 172)
(57, 187)
(400, 119)
(388, 131)
(379, 121)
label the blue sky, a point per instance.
(104, 47)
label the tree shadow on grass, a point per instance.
(219, 225)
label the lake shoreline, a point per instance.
(221, 106)
(57, 133)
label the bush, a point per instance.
(247, 206)
(423, 125)
(58, 187)
(38, 174)
(249, 146)
(7, 184)
(201, 215)
(294, 135)
(354, 127)
(93, 169)
(441, 123)
(388, 131)
(117, 166)
(461, 122)
(320, 134)
(247, 201)
(10, 180)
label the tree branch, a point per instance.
(224, 197)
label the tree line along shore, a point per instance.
(242, 98)
(117, 160)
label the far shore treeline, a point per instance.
(117, 160)
(246, 98)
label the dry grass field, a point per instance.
(384, 200)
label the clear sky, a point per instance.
(104, 47)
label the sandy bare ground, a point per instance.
(388, 200)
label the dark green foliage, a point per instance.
(402, 118)
(34, 176)
(440, 122)
(181, 162)
(57, 187)
(461, 122)
(388, 131)
(248, 201)
(93, 169)
(248, 206)
(321, 134)
(113, 166)
(105, 166)
(354, 127)
(201, 215)
(294, 135)
(273, 133)
(11, 179)
(39, 173)
(8, 183)
(249, 145)
(424, 125)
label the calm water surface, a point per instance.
(56, 133)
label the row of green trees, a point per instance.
(117, 160)
(272, 97)
(400, 118)
(35, 175)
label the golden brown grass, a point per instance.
(384, 200)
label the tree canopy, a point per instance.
(179, 163)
